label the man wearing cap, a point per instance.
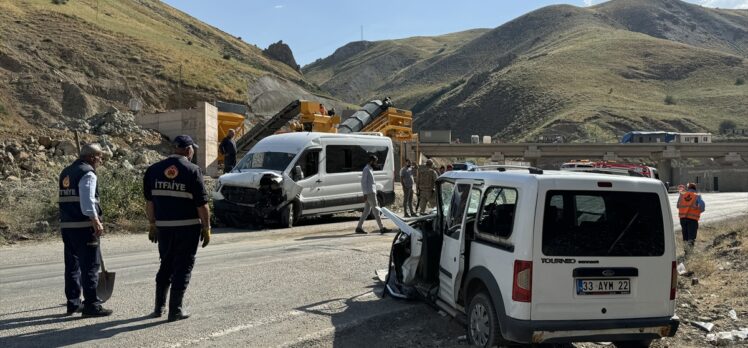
(369, 189)
(80, 225)
(177, 209)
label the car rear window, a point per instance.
(594, 223)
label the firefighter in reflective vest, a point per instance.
(80, 224)
(690, 207)
(177, 209)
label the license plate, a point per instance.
(618, 286)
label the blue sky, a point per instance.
(315, 28)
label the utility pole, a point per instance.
(362, 33)
(179, 88)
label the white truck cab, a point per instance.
(534, 256)
(285, 177)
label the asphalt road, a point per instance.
(311, 285)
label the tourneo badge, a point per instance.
(171, 172)
(66, 182)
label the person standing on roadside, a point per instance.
(177, 210)
(228, 150)
(406, 179)
(81, 227)
(690, 207)
(426, 185)
(369, 189)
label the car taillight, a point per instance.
(522, 284)
(673, 281)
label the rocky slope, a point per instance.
(585, 73)
(71, 61)
(78, 66)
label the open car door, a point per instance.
(454, 201)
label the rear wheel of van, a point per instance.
(632, 344)
(483, 324)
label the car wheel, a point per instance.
(633, 344)
(288, 216)
(483, 324)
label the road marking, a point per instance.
(327, 308)
(238, 328)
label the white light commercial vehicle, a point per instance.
(285, 177)
(532, 256)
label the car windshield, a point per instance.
(265, 160)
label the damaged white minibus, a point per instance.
(285, 177)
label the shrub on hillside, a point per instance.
(739, 81)
(725, 125)
(27, 206)
(122, 198)
(669, 100)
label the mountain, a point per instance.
(720, 30)
(355, 71)
(69, 61)
(584, 73)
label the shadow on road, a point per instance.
(359, 320)
(68, 336)
(309, 221)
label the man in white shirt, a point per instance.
(80, 225)
(369, 189)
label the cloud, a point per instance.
(734, 4)
(279, 6)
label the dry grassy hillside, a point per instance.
(582, 72)
(595, 85)
(75, 59)
(357, 71)
(721, 30)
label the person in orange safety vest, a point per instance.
(690, 207)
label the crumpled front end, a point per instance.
(403, 278)
(253, 198)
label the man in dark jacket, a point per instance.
(80, 224)
(177, 209)
(228, 149)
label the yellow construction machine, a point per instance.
(230, 116)
(394, 123)
(376, 116)
(313, 118)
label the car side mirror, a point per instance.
(297, 174)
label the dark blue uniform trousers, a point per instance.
(177, 247)
(689, 229)
(82, 261)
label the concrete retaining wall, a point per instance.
(201, 123)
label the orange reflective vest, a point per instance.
(687, 206)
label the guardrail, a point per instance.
(532, 151)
